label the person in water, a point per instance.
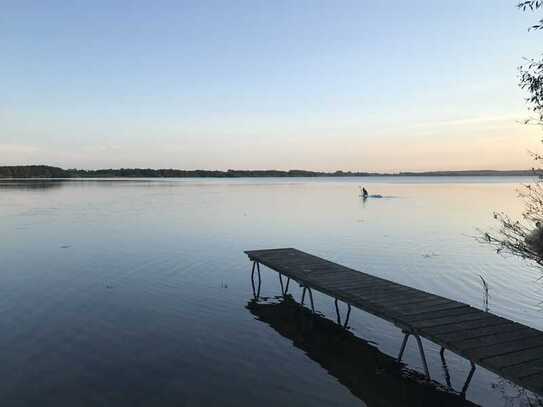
(364, 193)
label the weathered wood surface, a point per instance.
(511, 350)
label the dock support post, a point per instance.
(346, 324)
(284, 288)
(422, 356)
(310, 297)
(445, 367)
(339, 316)
(468, 380)
(256, 291)
(402, 348)
(421, 351)
(337, 312)
(448, 376)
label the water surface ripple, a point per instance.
(137, 293)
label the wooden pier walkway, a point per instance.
(509, 349)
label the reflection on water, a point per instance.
(31, 184)
(374, 377)
(134, 292)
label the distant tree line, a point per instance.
(32, 171)
(45, 171)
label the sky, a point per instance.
(318, 85)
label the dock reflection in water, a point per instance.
(372, 376)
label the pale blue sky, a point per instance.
(355, 85)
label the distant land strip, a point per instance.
(46, 171)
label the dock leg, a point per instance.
(337, 312)
(339, 316)
(422, 356)
(445, 368)
(468, 380)
(311, 299)
(253, 271)
(402, 348)
(256, 290)
(421, 351)
(345, 324)
(284, 288)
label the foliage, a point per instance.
(531, 74)
(524, 237)
(531, 80)
(532, 5)
(32, 171)
(43, 171)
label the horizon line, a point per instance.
(43, 170)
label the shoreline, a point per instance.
(49, 172)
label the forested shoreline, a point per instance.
(46, 171)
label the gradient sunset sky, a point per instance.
(318, 85)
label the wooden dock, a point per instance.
(509, 349)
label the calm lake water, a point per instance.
(137, 293)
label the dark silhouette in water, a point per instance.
(365, 195)
(34, 184)
(375, 378)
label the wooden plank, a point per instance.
(384, 303)
(331, 274)
(457, 309)
(333, 278)
(452, 337)
(294, 267)
(388, 291)
(427, 307)
(409, 298)
(462, 326)
(525, 369)
(322, 271)
(498, 337)
(514, 358)
(285, 259)
(396, 287)
(340, 282)
(417, 296)
(534, 383)
(384, 299)
(262, 255)
(518, 345)
(469, 315)
(360, 290)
